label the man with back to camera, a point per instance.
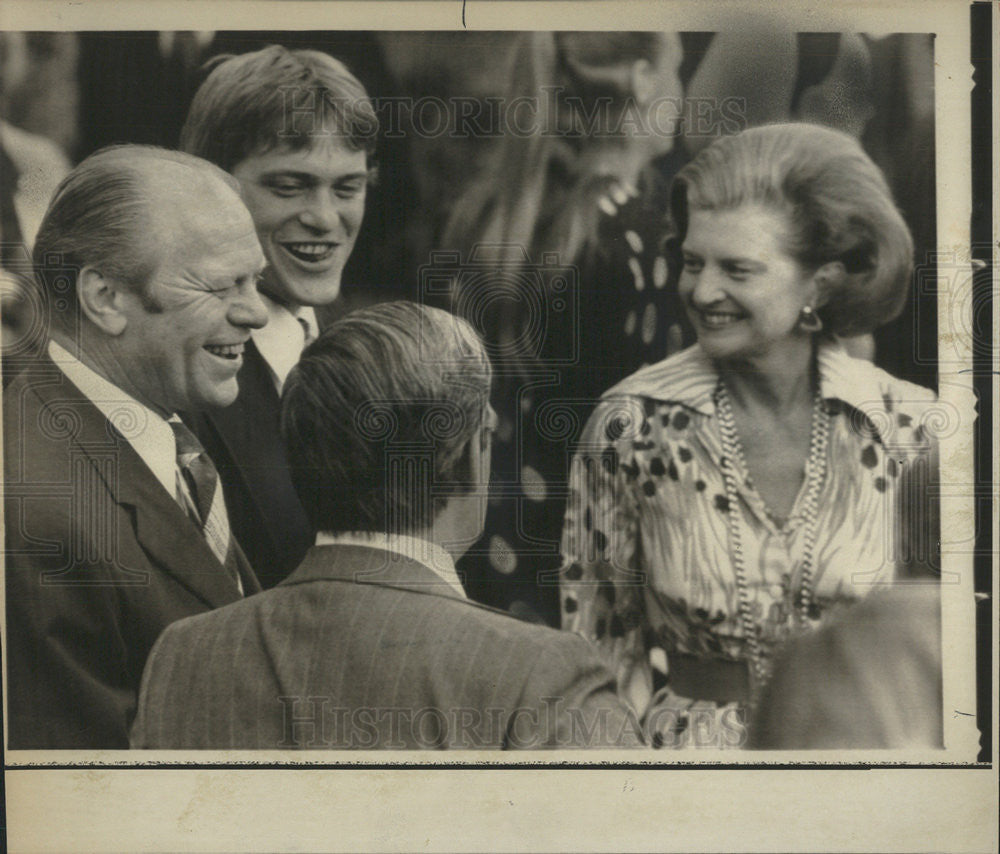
(371, 642)
(297, 130)
(115, 525)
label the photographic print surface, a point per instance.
(594, 395)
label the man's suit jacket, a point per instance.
(360, 648)
(99, 558)
(244, 442)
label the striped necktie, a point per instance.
(203, 498)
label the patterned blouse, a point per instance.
(646, 560)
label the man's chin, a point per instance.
(298, 290)
(219, 398)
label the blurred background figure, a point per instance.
(560, 268)
(870, 679)
(588, 114)
(441, 134)
(31, 167)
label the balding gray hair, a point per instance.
(100, 216)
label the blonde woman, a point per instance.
(736, 492)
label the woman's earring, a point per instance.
(809, 321)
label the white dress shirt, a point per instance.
(282, 340)
(422, 551)
(150, 436)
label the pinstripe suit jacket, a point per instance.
(360, 648)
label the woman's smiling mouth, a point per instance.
(718, 319)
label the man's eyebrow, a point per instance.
(287, 173)
(307, 177)
(357, 176)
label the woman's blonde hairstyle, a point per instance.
(837, 205)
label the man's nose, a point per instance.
(248, 309)
(321, 211)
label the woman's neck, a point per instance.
(779, 382)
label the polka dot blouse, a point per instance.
(646, 563)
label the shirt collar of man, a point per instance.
(281, 340)
(423, 551)
(150, 436)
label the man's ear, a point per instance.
(473, 466)
(101, 301)
(467, 465)
(826, 281)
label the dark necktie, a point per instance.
(206, 506)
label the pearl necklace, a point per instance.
(815, 472)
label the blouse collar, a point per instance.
(690, 378)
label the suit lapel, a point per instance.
(162, 528)
(248, 577)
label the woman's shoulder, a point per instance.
(686, 377)
(859, 381)
(896, 408)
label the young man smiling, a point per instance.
(297, 130)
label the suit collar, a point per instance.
(363, 564)
(425, 552)
(162, 528)
(146, 431)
